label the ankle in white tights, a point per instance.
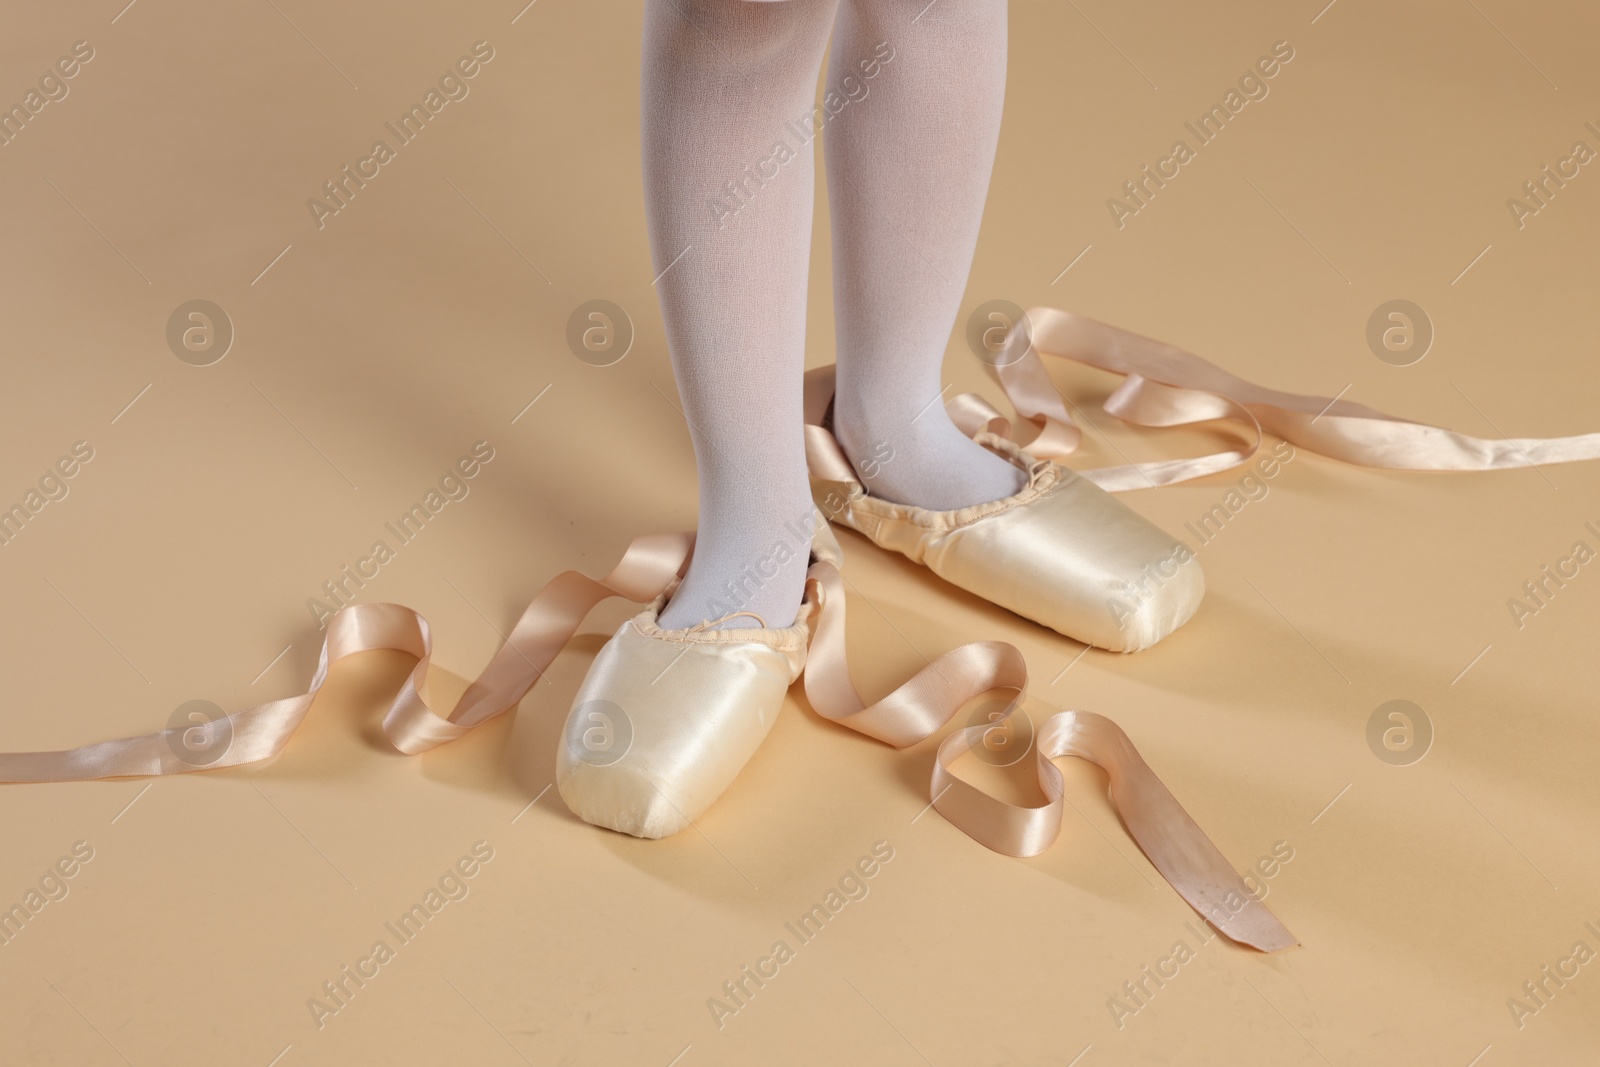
(908, 170)
(728, 95)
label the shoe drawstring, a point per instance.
(732, 615)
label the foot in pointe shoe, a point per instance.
(1061, 551)
(666, 719)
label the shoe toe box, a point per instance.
(1082, 562)
(660, 728)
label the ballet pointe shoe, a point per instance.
(666, 719)
(1061, 551)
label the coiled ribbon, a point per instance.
(1164, 386)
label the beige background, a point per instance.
(431, 311)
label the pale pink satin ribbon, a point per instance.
(1172, 840)
(648, 568)
(1166, 386)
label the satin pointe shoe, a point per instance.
(666, 719)
(1061, 551)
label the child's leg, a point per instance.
(728, 193)
(908, 171)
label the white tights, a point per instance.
(910, 117)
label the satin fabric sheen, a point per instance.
(666, 719)
(1062, 551)
(649, 567)
(260, 732)
(1165, 386)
